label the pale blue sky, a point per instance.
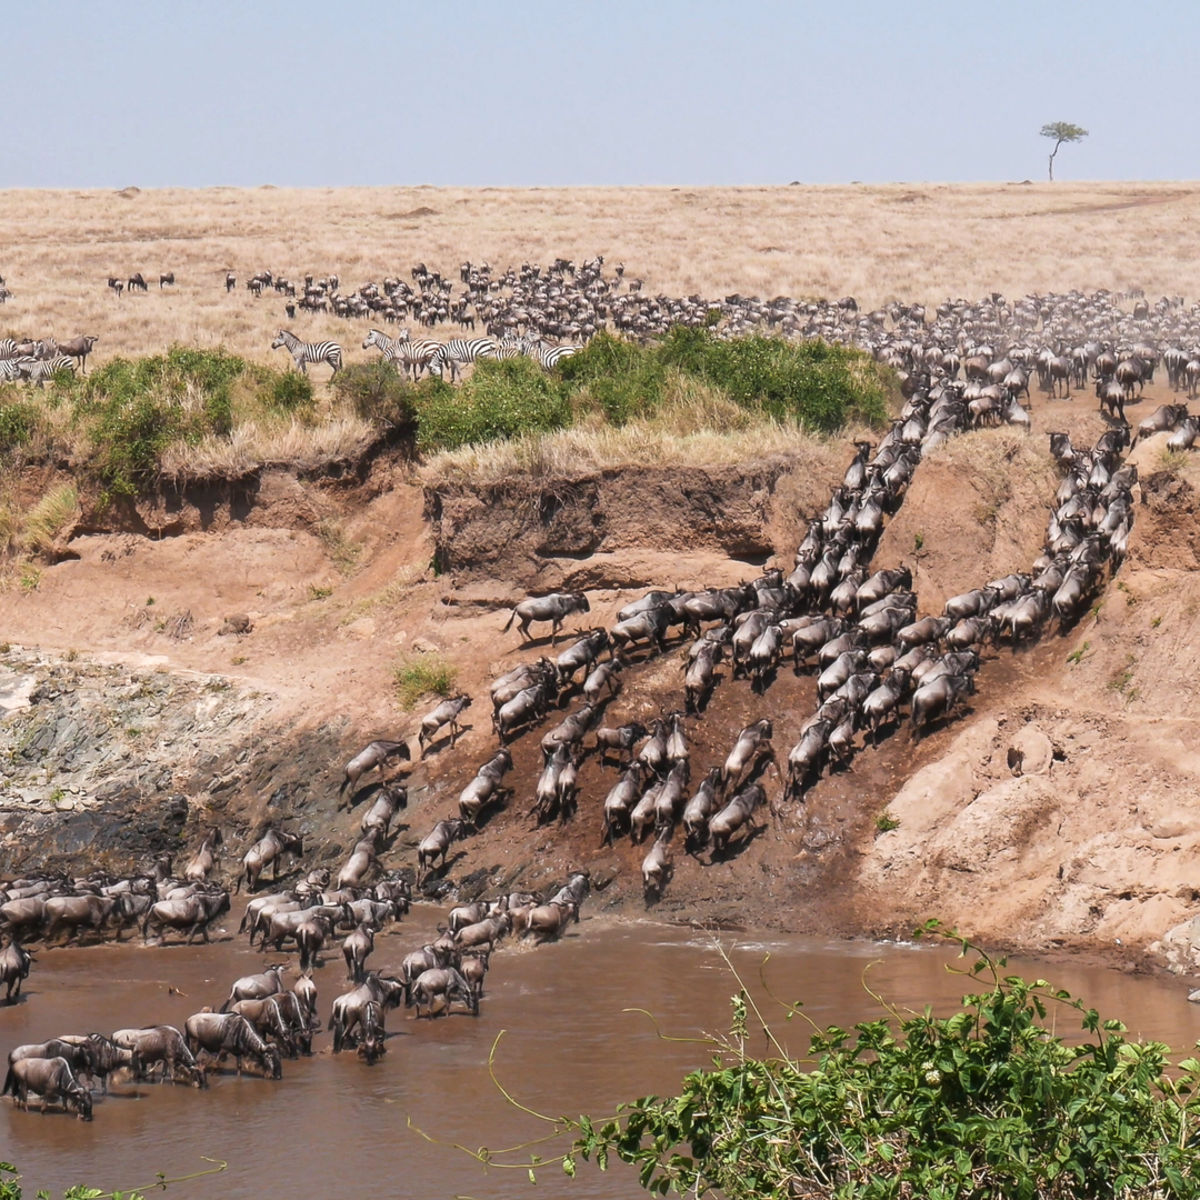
(106, 93)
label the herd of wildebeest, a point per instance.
(831, 613)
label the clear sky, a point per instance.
(108, 93)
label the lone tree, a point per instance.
(1062, 131)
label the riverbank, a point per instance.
(224, 671)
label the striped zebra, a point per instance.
(304, 353)
(34, 370)
(551, 356)
(458, 352)
(386, 345)
(8, 348)
(412, 358)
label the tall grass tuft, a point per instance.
(418, 675)
(49, 518)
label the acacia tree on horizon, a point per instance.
(1062, 131)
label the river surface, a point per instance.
(334, 1126)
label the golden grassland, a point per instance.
(910, 241)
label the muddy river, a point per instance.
(337, 1126)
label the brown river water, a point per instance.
(336, 1126)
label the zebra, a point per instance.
(8, 348)
(551, 356)
(35, 370)
(458, 352)
(305, 352)
(413, 357)
(387, 346)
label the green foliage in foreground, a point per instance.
(129, 411)
(987, 1103)
(10, 1189)
(990, 1103)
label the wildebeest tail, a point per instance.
(511, 618)
(10, 1083)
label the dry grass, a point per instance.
(920, 242)
(255, 444)
(49, 518)
(665, 442)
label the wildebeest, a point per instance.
(267, 852)
(620, 801)
(194, 913)
(77, 913)
(166, 278)
(582, 653)
(738, 812)
(161, 1045)
(704, 802)
(569, 731)
(348, 1008)
(545, 922)
(753, 744)
(53, 1080)
(78, 347)
(606, 675)
(937, 699)
(255, 987)
(510, 684)
(649, 626)
(387, 802)
(554, 608)
(528, 703)
(202, 862)
(14, 967)
(136, 282)
(446, 713)
(656, 867)
(443, 984)
(619, 740)
(485, 787)
(377, 754)
(220, 1034)
(437, 842)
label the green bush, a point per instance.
(817, 384)
(990, 1103)
(500, 400)
(620, 379)
(377, 392)
(133, 409)
(290, 392)
(19, 421)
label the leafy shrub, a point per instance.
(500, 400)
(988, 1103)
(133, 409)
(622, 380)
(291, 392)
(377, 392)
(19, 421)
